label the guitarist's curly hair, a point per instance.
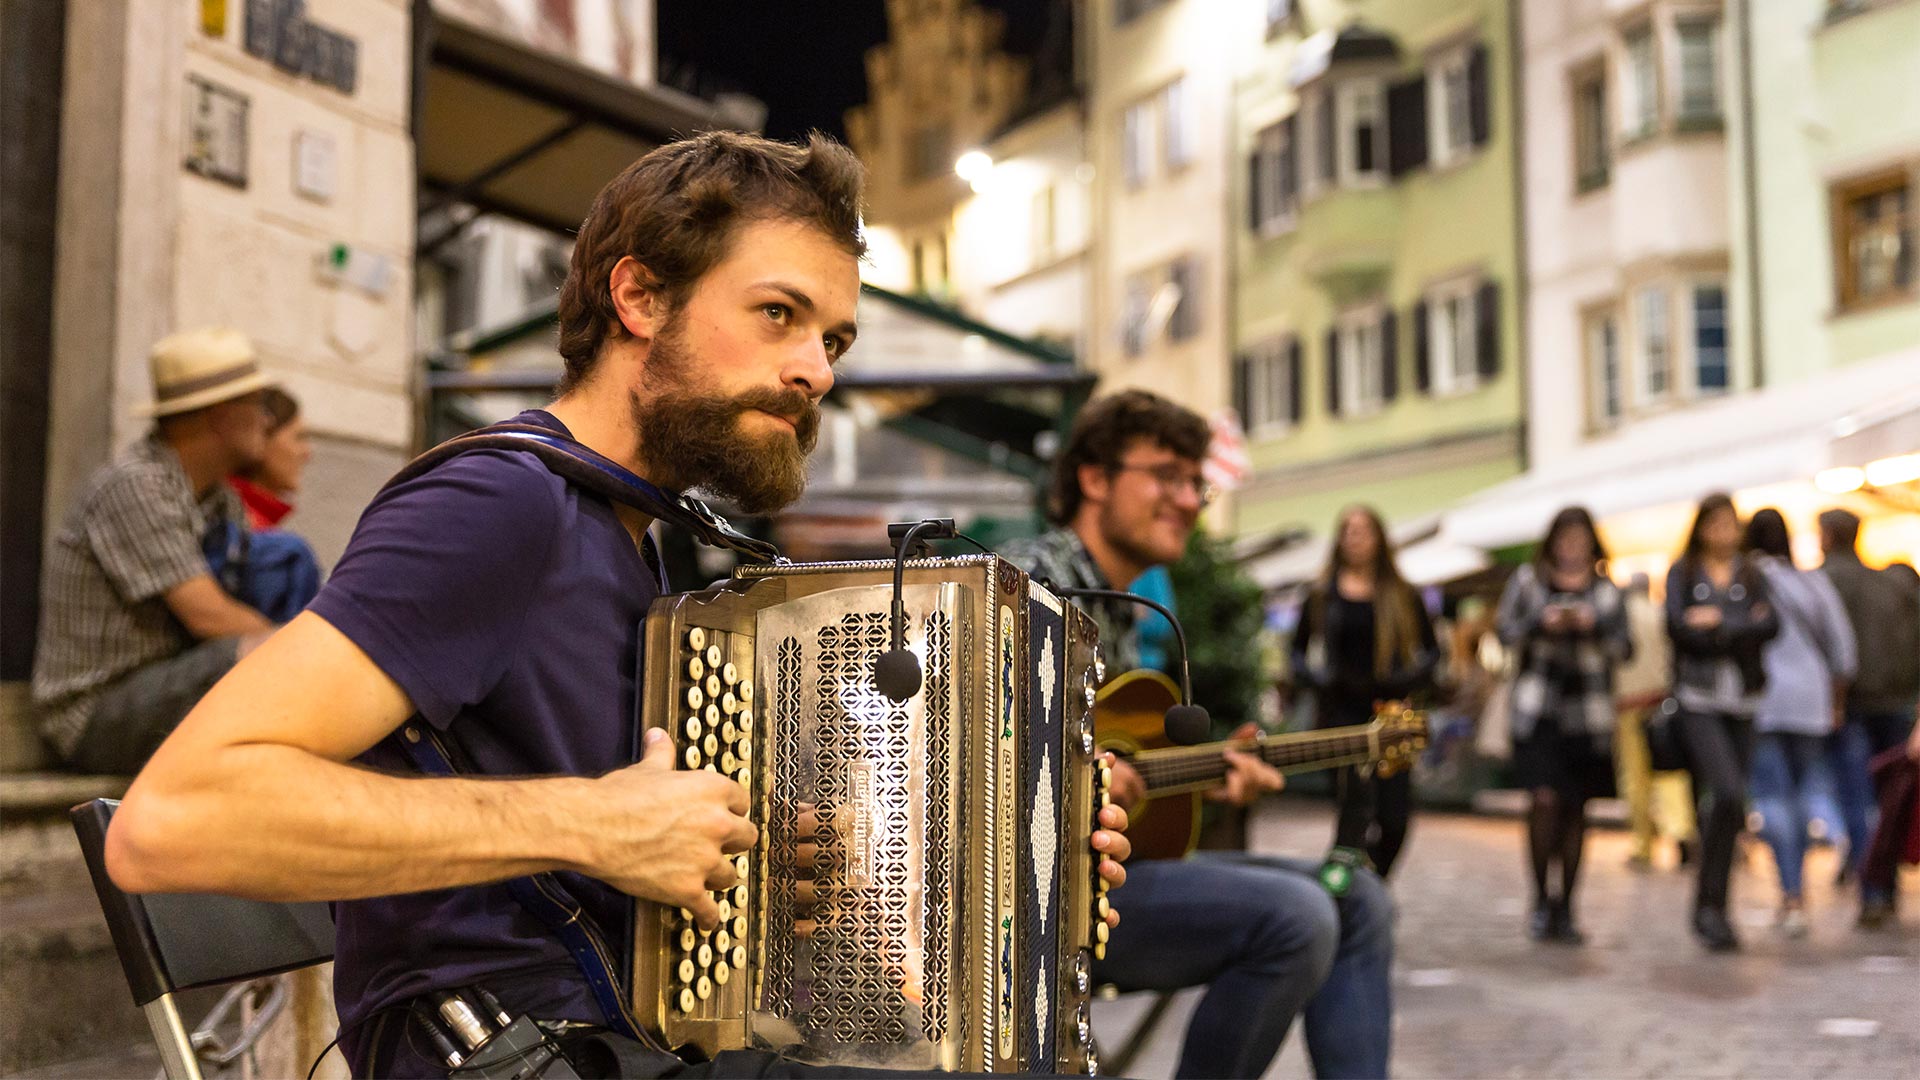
(1104, 431)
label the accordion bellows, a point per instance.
(923, 892)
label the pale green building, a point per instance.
(1376, 306)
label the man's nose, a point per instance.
(809, 370)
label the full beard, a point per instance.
(692, 439)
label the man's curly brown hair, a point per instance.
(675, 210)
(1106, 428)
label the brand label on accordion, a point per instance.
(860, 826)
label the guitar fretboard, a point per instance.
(1179, 768)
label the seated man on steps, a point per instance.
(1261, 933)
(134, 625)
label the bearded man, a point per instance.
(712, 290)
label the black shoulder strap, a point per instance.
(585, 468)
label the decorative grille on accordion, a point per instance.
(922, 892)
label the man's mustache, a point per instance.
(790, 405)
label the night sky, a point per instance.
(804, 59)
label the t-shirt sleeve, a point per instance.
(437, 580)
(143, 533)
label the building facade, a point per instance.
(1376, 304)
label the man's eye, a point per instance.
(777, 312)
(835, 346)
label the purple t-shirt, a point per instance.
(507, 604)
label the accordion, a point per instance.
(923, 893)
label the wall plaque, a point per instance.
(216, 131)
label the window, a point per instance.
(1656, 343)
(1183, 322)
(1710, 372)
(1362, 388)
(1267, 384)
(1699, 70)
(1450, 110)
(1136, 143)
(1640, 88)
(1133, 317)
(1453, 341)
(1179, 125)
(1592, 138)
(1603, 359)
(1274, 178)
(1362, 126)
(1875, 232)
(931, 153)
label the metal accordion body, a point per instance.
(940, 913)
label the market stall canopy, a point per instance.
(1423, 555)
(516, 130)
(1788, 432)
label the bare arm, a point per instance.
(253, 796)
(207, 612)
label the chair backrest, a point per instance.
(180, 941)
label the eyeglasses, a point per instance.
(1172, 479)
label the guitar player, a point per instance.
(1261, 933)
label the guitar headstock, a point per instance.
(1402, 732)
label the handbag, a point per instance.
(1493, 739)
(1666, 747)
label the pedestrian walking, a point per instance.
(1364, 636)
(1567, 627)
(1808, 666)
(1659, 802)
(1720, 617)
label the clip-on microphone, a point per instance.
(897, 671)
(1187, 724)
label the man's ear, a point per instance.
(1095, 482)
(637, 298)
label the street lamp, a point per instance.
(974, 167)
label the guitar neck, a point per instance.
(1177, 769)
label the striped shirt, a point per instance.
(134, 534)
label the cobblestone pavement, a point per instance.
(1475, 998)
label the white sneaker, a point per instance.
(1793, 922)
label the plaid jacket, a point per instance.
(134, 534)
(1545, 664)
(1059, 557)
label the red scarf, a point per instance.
(264, 508)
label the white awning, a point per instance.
(1424, 556)
(1781, 433)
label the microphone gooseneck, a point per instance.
(1187, 724)
(897, 671)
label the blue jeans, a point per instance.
(1851, 749)
(1268, 942)
(1791, 784)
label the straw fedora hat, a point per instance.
(198, 368)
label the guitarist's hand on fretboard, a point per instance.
(1247, 777)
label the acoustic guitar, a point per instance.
(1129, 719)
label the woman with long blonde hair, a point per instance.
(1364, 636)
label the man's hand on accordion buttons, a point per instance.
(675, 833)
(1110, 840)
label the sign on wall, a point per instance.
(278, 32)
(216, 131)
(313, 165)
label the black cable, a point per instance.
(983, 548)
(315, 1067)
(1180, 634)
(899, 578)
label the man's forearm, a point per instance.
(278, 823)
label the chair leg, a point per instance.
(1137, 1039)
(177, 1057)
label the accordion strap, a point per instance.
(584, 467)
(545, 898)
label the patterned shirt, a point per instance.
(133, 535)
(1059, 557)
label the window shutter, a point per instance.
(1255, 166)
(1422, 359)
(1242, 391)
(1389, 357)
(1479, 98)
(1295, 406)
(1487, 331)
(1289, 164)
(1326, 136)
(1407, 126)
(1333, 372)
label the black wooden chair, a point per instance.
(169, 943)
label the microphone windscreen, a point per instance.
(897, 673)
(1188, 725)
